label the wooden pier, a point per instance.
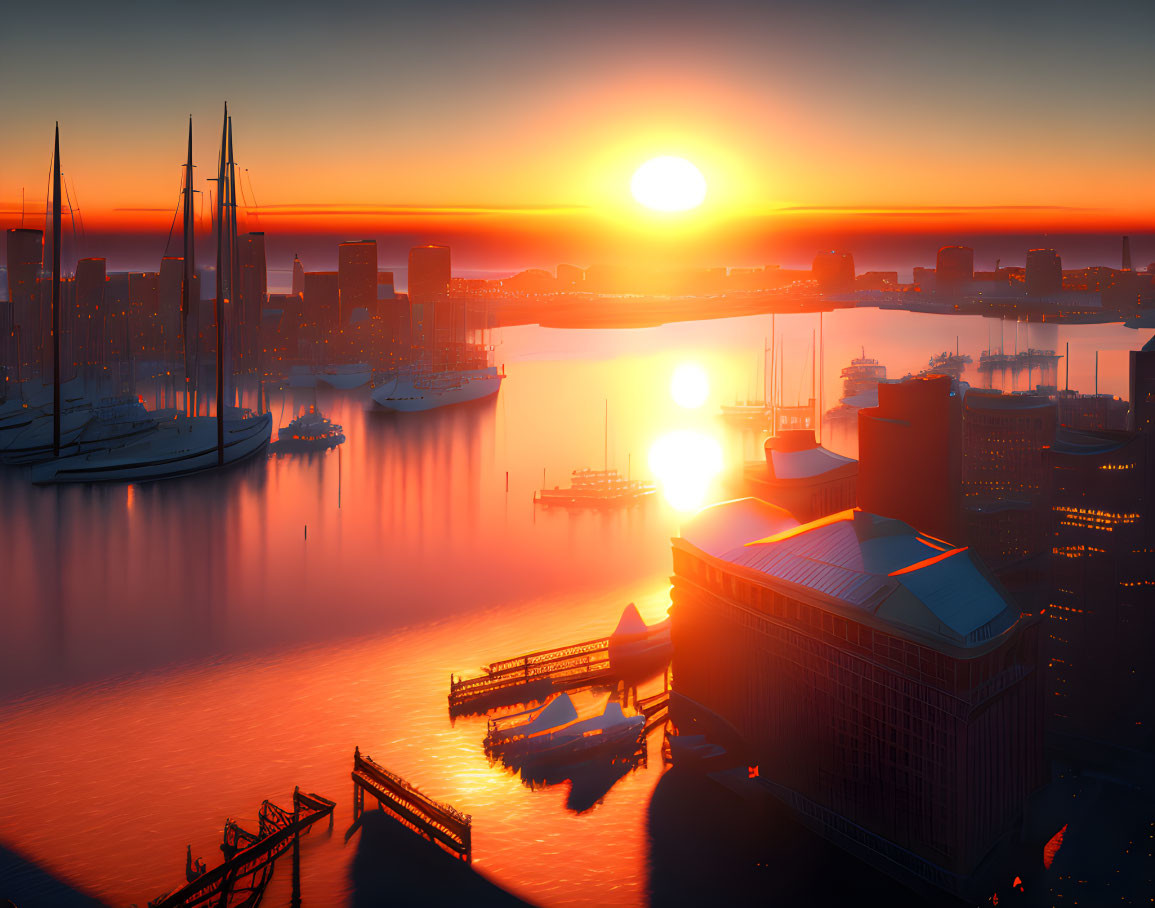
(241, 879)
(533, 676)
(439, 823)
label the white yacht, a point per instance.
(411, 392)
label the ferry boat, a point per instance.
(309, 432)
(596, 488)
(415, 391)
(859, 388)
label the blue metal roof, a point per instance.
(882, 566)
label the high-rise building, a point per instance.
(25, 248)
(954, 268)
(298, 275)
(90, 315)
(1126, 253)
(1101, 614)
(1004, 479)
(884, 687)
(1143, 389)
(254, 289)
(909, 463)
(357, 277)
(803, 477)
(171, 286)
(834, 271)
(1044, 273)
(429, 273)
(320, 305)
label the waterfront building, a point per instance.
(91, 276)
(321, 303)
(909, 463)
(954, 268)
(803, 477)
(357, 278)
(923, 278)
(253, 293)
(429, 273)
(880, 680)
(834, 271)
(1044, 273)
(1004, 479)
(25, 248)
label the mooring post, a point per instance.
(296, 897)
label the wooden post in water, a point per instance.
(296, 896)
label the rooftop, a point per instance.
(878, 566)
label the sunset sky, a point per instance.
(521, 123)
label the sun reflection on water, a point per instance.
(685, 463)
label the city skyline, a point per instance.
(376, 126)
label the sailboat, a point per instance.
(184, 444)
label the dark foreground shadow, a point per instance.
(395, 866)
(28, 885)
(707, 847)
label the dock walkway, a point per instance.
(532, 676)
(438, 822)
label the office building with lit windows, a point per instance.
(1004, 480)
(880, 678)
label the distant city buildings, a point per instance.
(834, 271)
(357, 278)
(1044, 274)
(954, 268)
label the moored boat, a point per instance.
(554, 734)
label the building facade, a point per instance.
(885, 686)
(803, 477)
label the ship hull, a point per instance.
(179, 450)
(407, 394)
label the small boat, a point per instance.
(309, 432)
(596, 489)
(637, 648)
(103, 424)
(555, 734)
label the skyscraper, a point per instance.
(253, 293)
(954, 268)
(1044, 273)
(90, 315)
(834, 271)
(429, 272)
(1004, 479)
(298, 275)
(357, 277)
(25, 248)
(909, 454)
(321, 303)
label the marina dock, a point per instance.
(241, 879)
(532, 676)
(437, 822)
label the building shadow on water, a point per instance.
(26, 884)
(708, 847)
(394, 866)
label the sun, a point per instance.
(689, 386)
(669, 184)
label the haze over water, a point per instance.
(197, 651)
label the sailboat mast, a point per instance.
(234, 261)
(821, 366)
(770, 382)
(189, 266)
(220, 308)
(606, 440)
(56, 295)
